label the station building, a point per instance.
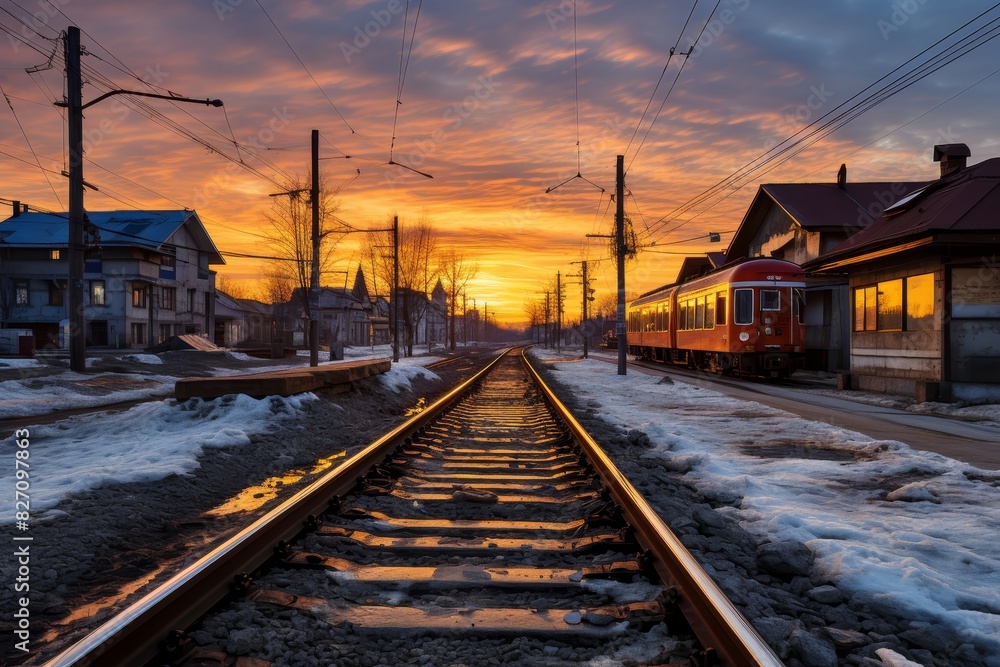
(924, 287)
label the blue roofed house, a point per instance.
(147, 276)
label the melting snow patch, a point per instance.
(399, 378)
(146, 443)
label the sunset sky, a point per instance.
(496, 94)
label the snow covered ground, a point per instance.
(146, 442)
(917, 531)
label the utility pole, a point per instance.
(545, 330)
(395, 289)
(586, 299)
(74, 135)
(620, 255)
(74, 109)
(558, 312)
(314, 276)
(465, 322)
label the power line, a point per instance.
(832, 121)
(30, 147)
(290, 48)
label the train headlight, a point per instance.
(744, 336)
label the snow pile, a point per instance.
(61, 392)
(914, 531)
(148, 442)
(399, 377)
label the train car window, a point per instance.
(770, 299)
(743, 306)
(720, 309)
(920, 302)
(690, 315)
(699, 313)
(799, 298)
(890, 305)
(710, 311)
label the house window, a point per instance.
(168, 259)
(54, 254)
(56, 288)
(864, 308)
(890, 306)
(138, 334)
(97, 295)
(920, 302)
(168, 300)
(164, 333)
(743, 306)
(139, 297)
(896, 305)
(191, 298)
(22, 293)
(770, 299)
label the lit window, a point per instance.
(97, 296)
(890, 305)
(920, 302)
(699, 313)
(139, 297)
(54, 254)
(710, 311)
(720, 309)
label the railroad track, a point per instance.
(490, 525)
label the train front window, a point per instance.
(743, 306)
(770, 299)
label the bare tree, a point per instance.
(290, 237)
(238, 289)
(416, 248)
(456, 272)
(535, 310)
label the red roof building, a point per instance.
(924, 282)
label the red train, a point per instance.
(743, 319)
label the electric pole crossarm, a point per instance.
(173, 98)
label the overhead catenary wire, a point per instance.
(832, 120)
(304, 67)
(30, 147)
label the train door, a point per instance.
(776, 316)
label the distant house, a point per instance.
(925, 287)
(799, 222)
(242, 322)
(147, 276)
(345, 315)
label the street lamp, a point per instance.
(74, 112)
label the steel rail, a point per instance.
(134, 636)
(718, 625)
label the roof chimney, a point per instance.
(951, 156)
(842, 177)
(17, 208)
